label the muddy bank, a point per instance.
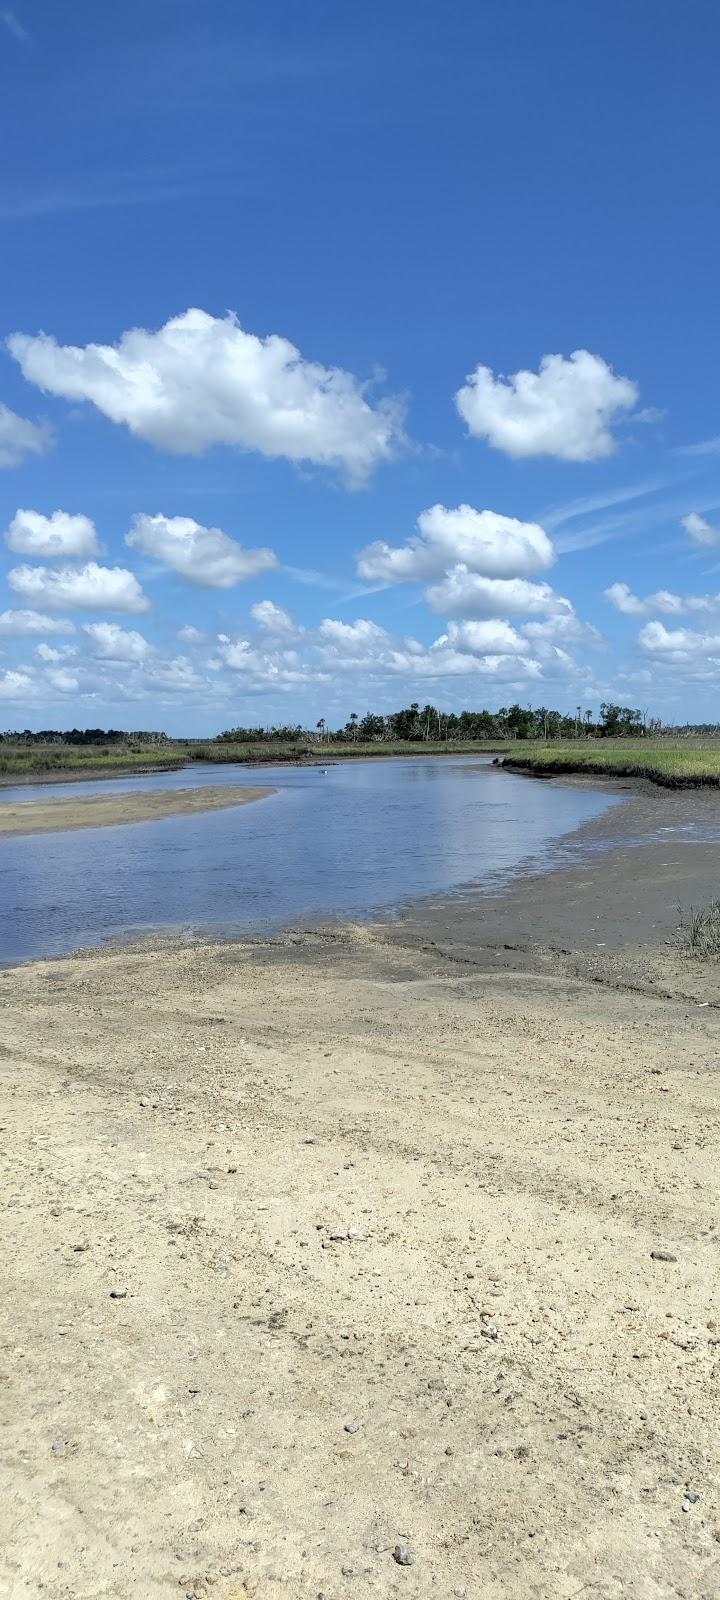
(624, 880)
(105, 811)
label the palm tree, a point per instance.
(321, 728)
(353, 725)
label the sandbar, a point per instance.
(110, 810)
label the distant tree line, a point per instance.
(90, 736)
(413, 723)
(290, 734)
(424, 724)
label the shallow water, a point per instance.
(350, 841)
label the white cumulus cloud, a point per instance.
(48, 653)
(466, 594)
(59, 536)
(678, 644)
(485, 638)
(88, 588)
(205, 556)
(65, 682)
(565, 410)
(565, 626)
(274, 620)
(15, 685)
(31, 624)
(352, 639)
(202, 380)
(620, 596)
(113, 643)
(364, 648)
(700, 530)
(191, 635)
(484, 541)
(20, 438)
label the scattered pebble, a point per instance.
(403, 1556)
(662, 1255)
(309, 1140)
(353, 1427)
(118, 1294)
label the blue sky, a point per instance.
(351, 355)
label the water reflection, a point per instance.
(351, 841)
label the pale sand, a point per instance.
(534, 1392)
(109, 810)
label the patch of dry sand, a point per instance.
(108, 810)
(385, 1225)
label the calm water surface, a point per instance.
(355, 840)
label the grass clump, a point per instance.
(700, 931)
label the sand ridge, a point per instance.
(112, 810)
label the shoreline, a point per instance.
(92, 774)
(557, 770)
(546, 771)
(391, 1234)
(107, 811)
(13, 780)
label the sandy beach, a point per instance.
(111, 810)
(363, 1262)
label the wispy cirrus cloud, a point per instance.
(14, 25)
(704, 447)
(573, 510)
(111, 191)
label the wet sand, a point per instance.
(111, 810)
(365, 1239)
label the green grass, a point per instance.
(674, 763)
(311, 750)
(28, 761)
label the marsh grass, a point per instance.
(699, 931)
(41, 760)
(673, 763)
(27, 761)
